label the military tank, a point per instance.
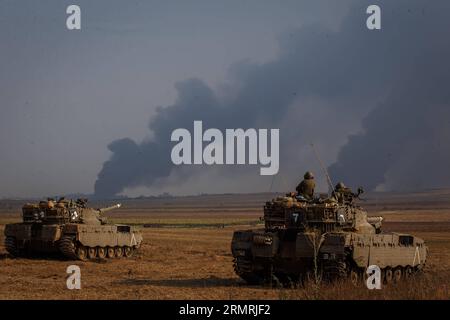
(330, 237)
(72, 229)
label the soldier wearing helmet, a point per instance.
(344, 194)
(306, 188)
(340, 187)
(339, 192)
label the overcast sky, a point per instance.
(66, 95)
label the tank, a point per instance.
(72, 229)
(327, 238)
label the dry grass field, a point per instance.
(186, 253)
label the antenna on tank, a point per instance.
(330, 183)
(273, 181)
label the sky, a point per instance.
(92, 110)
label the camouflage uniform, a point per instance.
(342, 194)
(307, 186)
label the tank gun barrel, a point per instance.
(116, 206)
(376, 222)
(372, 220)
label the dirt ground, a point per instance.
(186, 253)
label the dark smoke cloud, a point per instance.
(405, 141)
(405, 144)
(399, 75)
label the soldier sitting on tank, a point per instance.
(50, 203)
(343, 194)
(305, 189)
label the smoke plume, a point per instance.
(376, 103)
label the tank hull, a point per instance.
(74, 241)
(289, 255)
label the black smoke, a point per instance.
(405, 143)
(405, 140)
(321, 84)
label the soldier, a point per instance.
(50, 203)
(344, 194)
(307, 186)
(339, 192)
(340, 187)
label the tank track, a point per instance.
(11, 246)
(335, 270)
(67, 247)
(243, 268)
(72, 250)
(389, 275)
(331, 271)
(357, 276)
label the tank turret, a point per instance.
(323, 214)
